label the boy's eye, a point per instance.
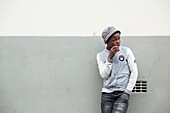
(114, 39)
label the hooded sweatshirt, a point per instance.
(119, 73)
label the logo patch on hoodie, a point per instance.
(121, 58)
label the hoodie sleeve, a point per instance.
(104, 67)
(133, 72)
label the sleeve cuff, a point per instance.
(127, 91)
(109, 60)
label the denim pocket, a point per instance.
(125, 96)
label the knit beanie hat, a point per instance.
(107, 32)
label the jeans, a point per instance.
(116, 102)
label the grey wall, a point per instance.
(60, 75)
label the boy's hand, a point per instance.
(113, 51)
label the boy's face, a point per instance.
(114, 40)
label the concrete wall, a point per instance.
(84, 17)
(60, 75)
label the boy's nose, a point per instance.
(117, 41)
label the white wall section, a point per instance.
(83, 17)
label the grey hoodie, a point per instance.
(119, 74)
